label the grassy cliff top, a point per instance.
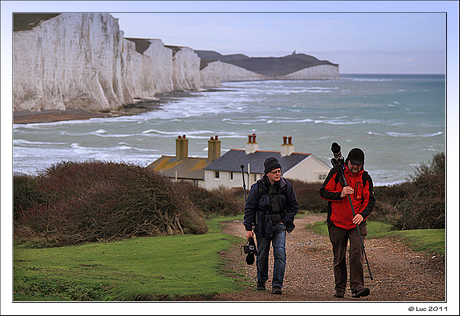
(27, 21)
(268, 66)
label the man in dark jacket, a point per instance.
(271, 207)
(342, 224)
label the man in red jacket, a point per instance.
(342, 224)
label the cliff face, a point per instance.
(72, 61)
(82, 61)
(321, 72)
(217, 71)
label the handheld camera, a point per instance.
(250, 250)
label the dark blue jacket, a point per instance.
(258, 208)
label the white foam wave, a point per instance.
(23, 142)
(337, 122)
(407, 135)
(99, 131)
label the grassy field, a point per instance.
(177, 267)
(150, 268)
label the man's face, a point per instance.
(354, 168)
(274, 175)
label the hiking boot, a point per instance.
(363, 292)
(338, 294)
(260, 286)
(277, 290)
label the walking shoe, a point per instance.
(363, 292)
(260, 285)
(338, 294)
(277, 290)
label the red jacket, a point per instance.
(339, 211)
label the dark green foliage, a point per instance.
(418, 203)
(25, 194)
(49, 289)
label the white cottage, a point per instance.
(227, 170)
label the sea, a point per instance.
(399, 121)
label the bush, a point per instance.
(307, 195)
(98, 201)
(418, 203)
(219, 202)
(25, 195)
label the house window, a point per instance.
(231, 175)
(322, 177)
(255, 177)
(216, 174)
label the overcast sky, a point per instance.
(362, 37)
(358, 42)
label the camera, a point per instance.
(250, 250)
(338, 158)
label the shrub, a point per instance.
(99, 201)
(418, 203)
(219, 201)
(307, 195)
(25, 194)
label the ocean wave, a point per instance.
(403, 135)
(177, 133)
(23, 142)
(336, 122)
(99, 131)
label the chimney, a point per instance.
(213, 148)
(287, 148)
(251, 145)
(181, 147)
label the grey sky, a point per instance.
(359, 42)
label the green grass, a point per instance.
(156, 268)
(425, 240)
(214, 225)
(147, 268)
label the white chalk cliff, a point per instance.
(82, 61)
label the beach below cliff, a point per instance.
(47, 116)
(54, 115)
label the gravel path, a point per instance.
(399, 273)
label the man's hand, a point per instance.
(346, 190)
(249, 233)
(358, 219)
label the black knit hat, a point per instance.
(356, 156)
(270, 164)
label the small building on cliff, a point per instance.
(225, 171)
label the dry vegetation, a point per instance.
(75, 202)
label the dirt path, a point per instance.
(399, 273)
